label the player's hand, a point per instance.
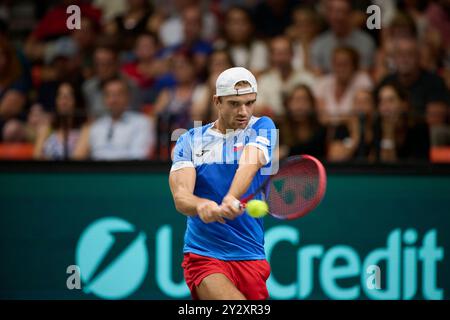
(229, 209)
(209, 211)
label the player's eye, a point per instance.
(250, 103)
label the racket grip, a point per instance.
(238, 205)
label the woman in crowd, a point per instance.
(364, 106)
(301, 132)
(57, 139)
(172, 109)
(245, 51)
(335, 92)
(14, 87)
(397, 135)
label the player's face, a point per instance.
(236, 111)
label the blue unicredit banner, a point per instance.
(118, 236)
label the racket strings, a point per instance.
(295, 190)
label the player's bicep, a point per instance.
(253, 155)
(182, 181)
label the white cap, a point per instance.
(226, 82)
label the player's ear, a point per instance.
(216, 101)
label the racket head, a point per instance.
(297, 188)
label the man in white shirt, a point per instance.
(121, 134)
(341, 33)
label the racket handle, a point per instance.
(238, 205)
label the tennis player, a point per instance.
(214, 166)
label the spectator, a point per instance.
(14, 86)
(245, 50)
(421, 85)
(401, 26)
(335, 92)
(416, 9)
(399, 135)
(301, 132)
(272, 17)
(343, 139)
(85, 40)
(106, 67)
(341, 33)
(202, 107)
(119, 135)
(438, 17)
(437, 117)
(174, 104)
(192, 41)
(134, 21)
(146, 68)
(171, 30)
(304, 29)
(364, 107)
(280, 78)
(57, 140)
(61, 64)
(54, 25)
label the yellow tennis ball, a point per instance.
(257, 208)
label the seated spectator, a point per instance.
(279, 79)
(341, 33)
(399, 135)
(14, 86)
(175, 103)
(121, 134)
(202, 107)
(57, 140)
(107, 67)
(245, 50)
(193, 41)
(422, 86)
(343, 139)
(437, 117)
(304, 29)
(171, 30)
(335, 92)
(54, 25)
(134, 21)
(273, 16)
(364, 107)
(60, 65)
(85, 40)
(401, 26)
(146, 68)
(301, 132)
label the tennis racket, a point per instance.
(295, 190)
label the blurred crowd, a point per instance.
(137, 70)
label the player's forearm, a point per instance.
(186, 203)
(242, 179)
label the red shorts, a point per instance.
(249, 276)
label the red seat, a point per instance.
(16, 151)
(440, 154)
